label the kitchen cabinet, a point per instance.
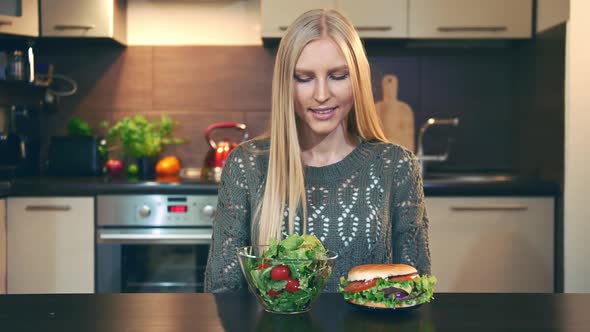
(277, 15)
(377, 18)
(50, 245)
(551, 13)
(374, 19)
(492, 244)
(19, 17)
(470, 19)
(2, 246)
(449, 19)
(89, 18)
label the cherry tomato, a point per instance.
(292, 285)
(403, 278)
(359, 286)
(272, 292)
(262, 266)
(280, 272)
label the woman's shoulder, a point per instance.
(392, 151)
(253, 152)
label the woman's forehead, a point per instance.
(320, 53)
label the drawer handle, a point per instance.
(490, 208)
(472, 29)
(283, 28)
(73, 27)
(373, 28)
(3, 22)
(37, 208)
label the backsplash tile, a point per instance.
(200, 85)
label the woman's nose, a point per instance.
(321, 93)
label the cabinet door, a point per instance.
(2, 246)
(277, 15)
(50, 245)
(551, 13)
(377, 18)
(492, 244)
(66, 18)
(470, 18)
(19, 17)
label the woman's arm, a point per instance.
(410, 222)
(231, 228)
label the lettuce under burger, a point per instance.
(387, 286)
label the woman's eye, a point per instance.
(302, 79)
(339, 77)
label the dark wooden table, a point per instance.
(241, 312)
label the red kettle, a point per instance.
(217, 155)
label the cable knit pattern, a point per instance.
(368, 207)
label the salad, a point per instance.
(289, 274)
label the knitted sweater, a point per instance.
(369, 208)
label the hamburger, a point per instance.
(386, 286)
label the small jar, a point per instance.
(15, 66)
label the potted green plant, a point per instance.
(142, 139)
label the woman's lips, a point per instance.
(323, 113)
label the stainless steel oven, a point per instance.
(152, 243)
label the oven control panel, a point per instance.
(156, 210)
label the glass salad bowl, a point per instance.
(286, 285)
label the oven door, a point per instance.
(151, 260)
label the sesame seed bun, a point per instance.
(372, 271)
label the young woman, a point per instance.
(325, 168)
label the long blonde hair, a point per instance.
(285, 179)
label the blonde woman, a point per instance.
(325, 167)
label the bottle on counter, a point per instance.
(15, 66)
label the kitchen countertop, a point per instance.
(241, 312)
(92, 186)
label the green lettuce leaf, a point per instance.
(421, 285)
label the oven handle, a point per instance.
(132, 238)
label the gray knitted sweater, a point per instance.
(369, 208)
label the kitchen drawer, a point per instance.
(492, 244)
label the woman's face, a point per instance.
(323, 90)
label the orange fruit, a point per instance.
(169, 165)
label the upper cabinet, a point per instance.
(88, 18)
(551, 13)
(276, 15)
(449, 19)
(470, 18)
(19, 17)
(377, 18)
(372, 18)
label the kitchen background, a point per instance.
(508, 95)
(203, 61)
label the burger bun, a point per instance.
(372, 271)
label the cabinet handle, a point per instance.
(3, 22)
(359, 28)
(73, 27)
(373, 28)
(490, 208)
(472, 29)
(37, 208)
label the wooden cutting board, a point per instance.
(396, 116)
